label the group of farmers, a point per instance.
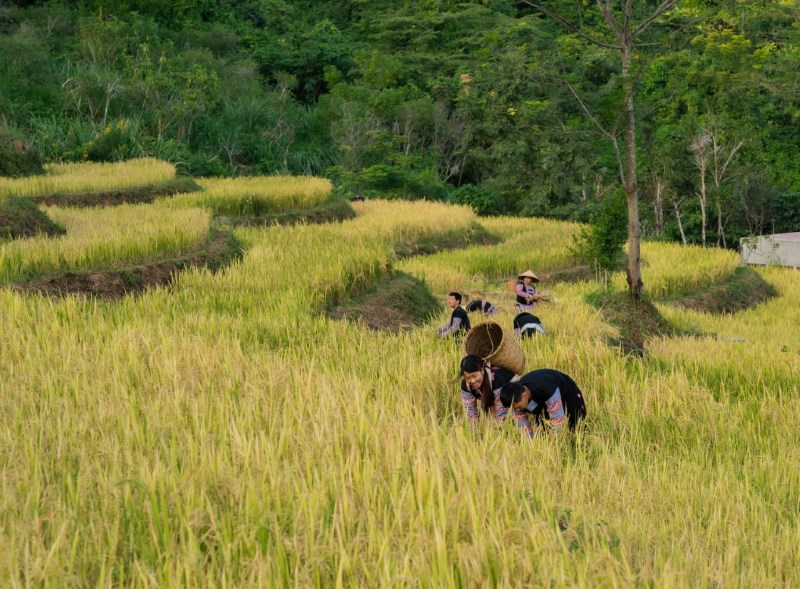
(544, 397)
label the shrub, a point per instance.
(483, 200)
(600, 243)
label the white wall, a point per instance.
(776, 250)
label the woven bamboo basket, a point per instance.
(488, 341)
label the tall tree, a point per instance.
(623, 30)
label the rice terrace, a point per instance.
(236, 341)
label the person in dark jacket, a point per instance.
(555, 391)
(527, 325)
(481, 306)
(459, 320)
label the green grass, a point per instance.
(396, 301)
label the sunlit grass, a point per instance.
(537, 244)
(670, 269)
(227, 433)
(103, 238)
(88, 178)
(257, 195)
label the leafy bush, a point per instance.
(483, 200)
(600, 243)
(15, 162)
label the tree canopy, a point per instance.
(440, 99)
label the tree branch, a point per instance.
(608, 15)
(665, 5)
(568, 25)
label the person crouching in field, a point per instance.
(481, 306)
(482, 383)
(459, 320)
(526, 292)
(555, 391)
(527, 325)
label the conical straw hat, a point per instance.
(529, 274)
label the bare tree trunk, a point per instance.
(700, 149)
(703, 204)
(720, 226)
(633, 268)
(678, 218)
(658, 206)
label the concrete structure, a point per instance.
(779, 249)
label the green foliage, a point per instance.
(601, 242)
(410, 100)
(14, 162)
(483, 200)
(786, 212)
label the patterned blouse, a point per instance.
(499, 377)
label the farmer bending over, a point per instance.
(459, 320)
(527, 325)
(482, 382)
(551, 389)
(484, 307)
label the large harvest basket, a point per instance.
(488, 341)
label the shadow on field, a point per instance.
(331, 211)
(20, 218)
(639, 320)
(743, 289)
(218, 250)
(136, 194)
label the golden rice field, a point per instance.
(542, 244)
(256, 195)
(100, 238)
(672, 269)
(224, 432)
(89, 178)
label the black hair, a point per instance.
(511, 393)
(455, 295)
(473, 363)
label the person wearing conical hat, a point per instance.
(526, 292)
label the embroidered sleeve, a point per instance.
(521, 419)
(555, 411)
(500, 412)
(521, 290)
(470, 407)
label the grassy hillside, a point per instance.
(228, 432)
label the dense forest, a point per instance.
(493, 103)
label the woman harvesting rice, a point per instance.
(526, 292)
(546, 388)
(482, 382)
